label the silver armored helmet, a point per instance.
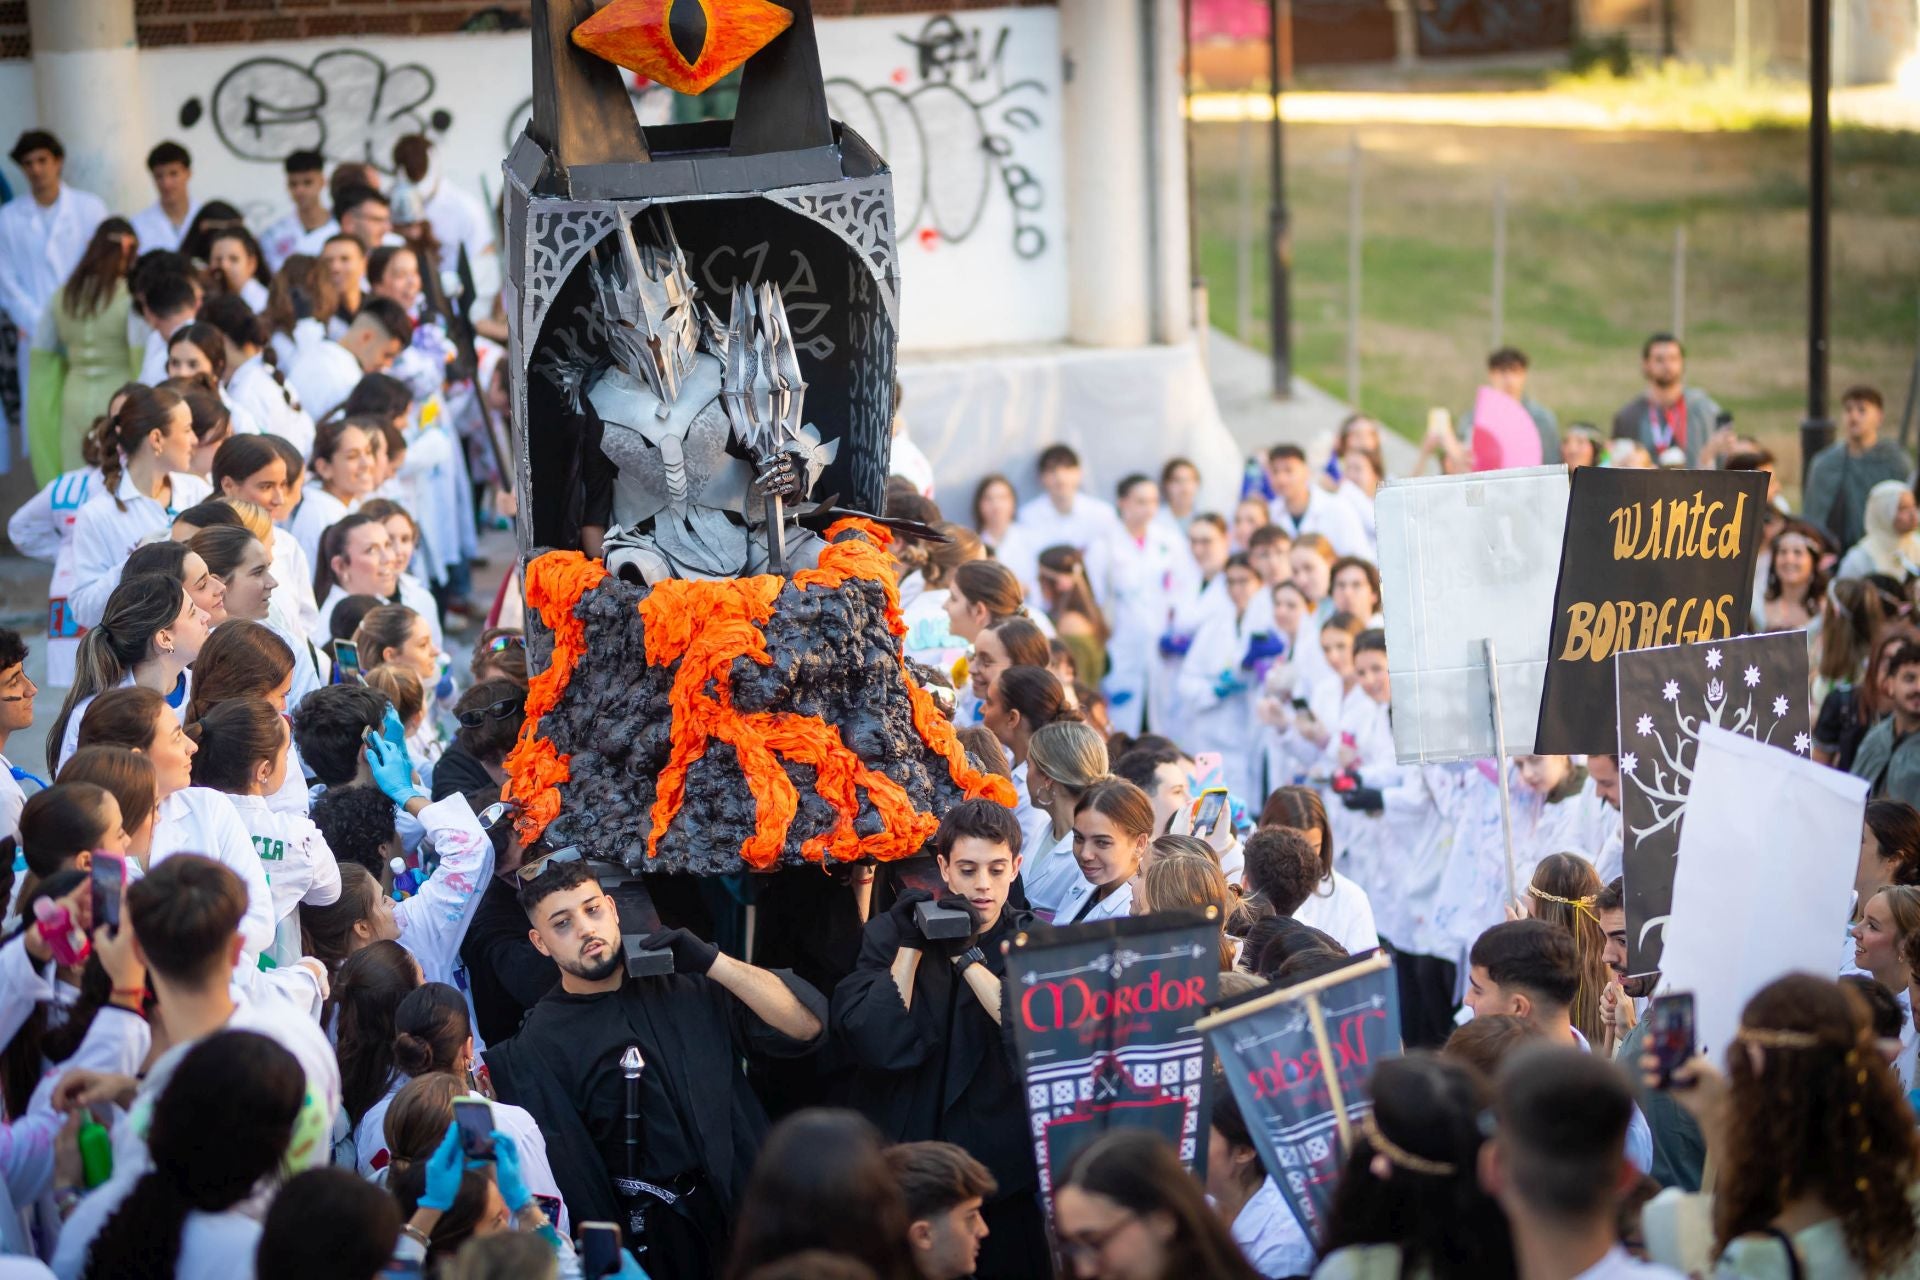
(649, 300)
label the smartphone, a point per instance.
(475, 1119)
(346, 661)
(599, 1249)
(1300, 705)
(1670, 1033)
(1207, 810)
(109, 879)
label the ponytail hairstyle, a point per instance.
(123, 717)
(233, 738)
(991, 585)
(1037, 694)
(118, 436)
(333, 542)
(382, 628)
(1302, 810)
(223, 547)
(139, 609)
(240, 457)
(1070, 753)
(211, 420)
(247, 1087)
(430, 1028)
(1121, 803)
(1025, 643)
(241, 659)
(211, 342)
(326, 933)
(92, 451)
(366, 991)
(234, 320)
(402, 687)
(126, 773)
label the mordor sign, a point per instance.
(1649, 558)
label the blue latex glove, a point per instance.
(1175, 645)
(1263, 647)
(629, 1269)
(1227, 685)
(445, 1167)
(506, 1172)
(392, 730)
(392, 769)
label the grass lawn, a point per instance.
(1590, 233)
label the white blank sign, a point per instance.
(1765, 871)
(1464, 559)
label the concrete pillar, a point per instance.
(86, 83)
(1172, 260)
(1106, 119)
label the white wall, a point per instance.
(966, 109)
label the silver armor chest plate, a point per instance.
(673, 462)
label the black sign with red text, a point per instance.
(1279, 1078)
(1103, 1024)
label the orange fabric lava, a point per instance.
(705, 626)
(555, 582)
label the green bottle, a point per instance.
(96, 1152)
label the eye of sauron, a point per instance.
(686, 45)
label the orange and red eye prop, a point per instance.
(686, 45)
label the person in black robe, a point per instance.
(925, 1020)
(677, 1190)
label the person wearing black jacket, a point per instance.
(925, 1022)
(674, 1175)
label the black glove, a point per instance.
(1364, 800)
(904, 925)
(952, 947)
(691, 954)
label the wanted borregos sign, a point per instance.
(1751, 685)
(1103, 1026)
(1298, 1061)
(1649, 558)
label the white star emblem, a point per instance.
(1713, 659)
(1671, 691)
(1780, 705)
(1752, 676)
(1629, 762)
(1644, 726)
(1801, 742)
(1715, 691)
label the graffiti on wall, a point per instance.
(950, 123)
(347, 104)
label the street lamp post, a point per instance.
(1816, 429)
(1279, 251)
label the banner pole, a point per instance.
(1330, 1071)
(1373, 963)
(1500, 766)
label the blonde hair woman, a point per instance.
(1063, 760)
(1173, 881)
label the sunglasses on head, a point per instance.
(500, 644)
(531, 871)
(500, 710)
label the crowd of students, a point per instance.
(264, 467)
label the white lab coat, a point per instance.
(203, 821)
(104, 536)
(293, 582)
(1049, 872)
(39, 248)
(157, 231)
(1134, 581)
(1290, 755)
(323, 375)
(433, 922)
(1226, 725)
(318, 510)
(270, 403)
(300, 868)
(1327, 516)
(42, 527)
(1117, 905)
(285, 237)
(1362, 741)
(1193, 602)
(1045, 526)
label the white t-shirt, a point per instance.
(1345, 915)
(1046, 526)
(1269, 1235)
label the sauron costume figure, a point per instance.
(701, 443)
